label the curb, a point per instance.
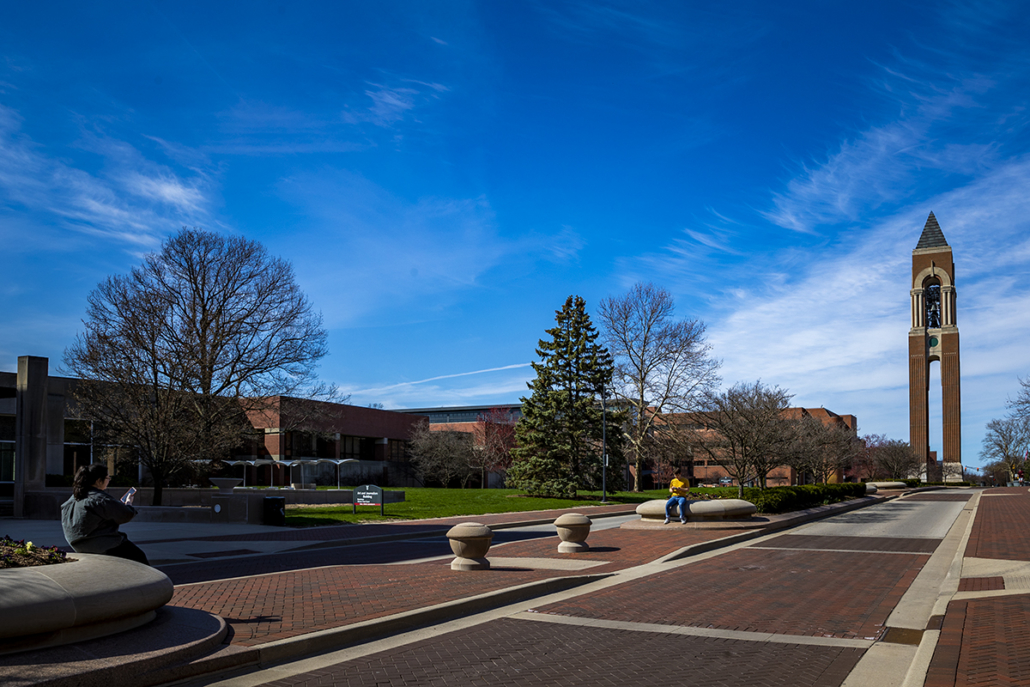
(204, 633)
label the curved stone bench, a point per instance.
(889, 485)
(870, 488)
(91, 596)
(716, 509)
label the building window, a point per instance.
(358, 448)
(6, 453)
(398, 450)
(6, 461)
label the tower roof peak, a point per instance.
(932, 236)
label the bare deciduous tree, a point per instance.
(821, 450)
(743, 430)
(661, 364)
(801, 452)
(1006, 441)
(1021, 404)
(177, 354)
(442, 456)
(668, 448)
(996, 472)
(495, 438)
(891, 458)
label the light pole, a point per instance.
(604, 448)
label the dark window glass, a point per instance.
(6, 462)
(6, 428)
(76, 432)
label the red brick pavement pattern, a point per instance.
(811, 593)
(617, 547)
(270, 607)
(367, 554)
(410, 527)
(885, 544)
(620, 548)
(983, 642)
(981, 584)
(998, 519)
(532, 654)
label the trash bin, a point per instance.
(275, 511)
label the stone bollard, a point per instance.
(470, 541)
(573, 529)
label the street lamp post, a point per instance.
(604, 449)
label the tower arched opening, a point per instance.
(932, 302)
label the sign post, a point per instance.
(368, 495)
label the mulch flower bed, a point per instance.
(23, 554)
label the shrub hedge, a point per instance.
(786, 499)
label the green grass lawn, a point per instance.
(421, 503)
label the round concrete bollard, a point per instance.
(470, 541)
(573, 529)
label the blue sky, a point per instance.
(443, 175)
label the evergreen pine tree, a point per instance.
(559, 435)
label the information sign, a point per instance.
(368, 495)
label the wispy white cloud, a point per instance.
(566, 244)
(825, 314)
(390, 387)
(946, 129)
(839, 328)
(392, 104)
(386, 253)
(132, 199)
(429, 395)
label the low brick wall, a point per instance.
(46, 504)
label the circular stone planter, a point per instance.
(716, 509)
(92, 596)
(573, 530)
(470, 541)
(225, 482)
(889, 485)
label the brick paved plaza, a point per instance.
(853, 599)
(514, 652)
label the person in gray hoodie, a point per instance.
(90, 518)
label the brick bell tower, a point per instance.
(934, 336)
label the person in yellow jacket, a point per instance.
(680, 490)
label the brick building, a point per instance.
(41, 435)
(706, 471)
(474, 420)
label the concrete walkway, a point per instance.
(816, 605)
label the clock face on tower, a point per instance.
(933, 341)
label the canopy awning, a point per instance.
(291, 463)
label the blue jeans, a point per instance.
(680, 502)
